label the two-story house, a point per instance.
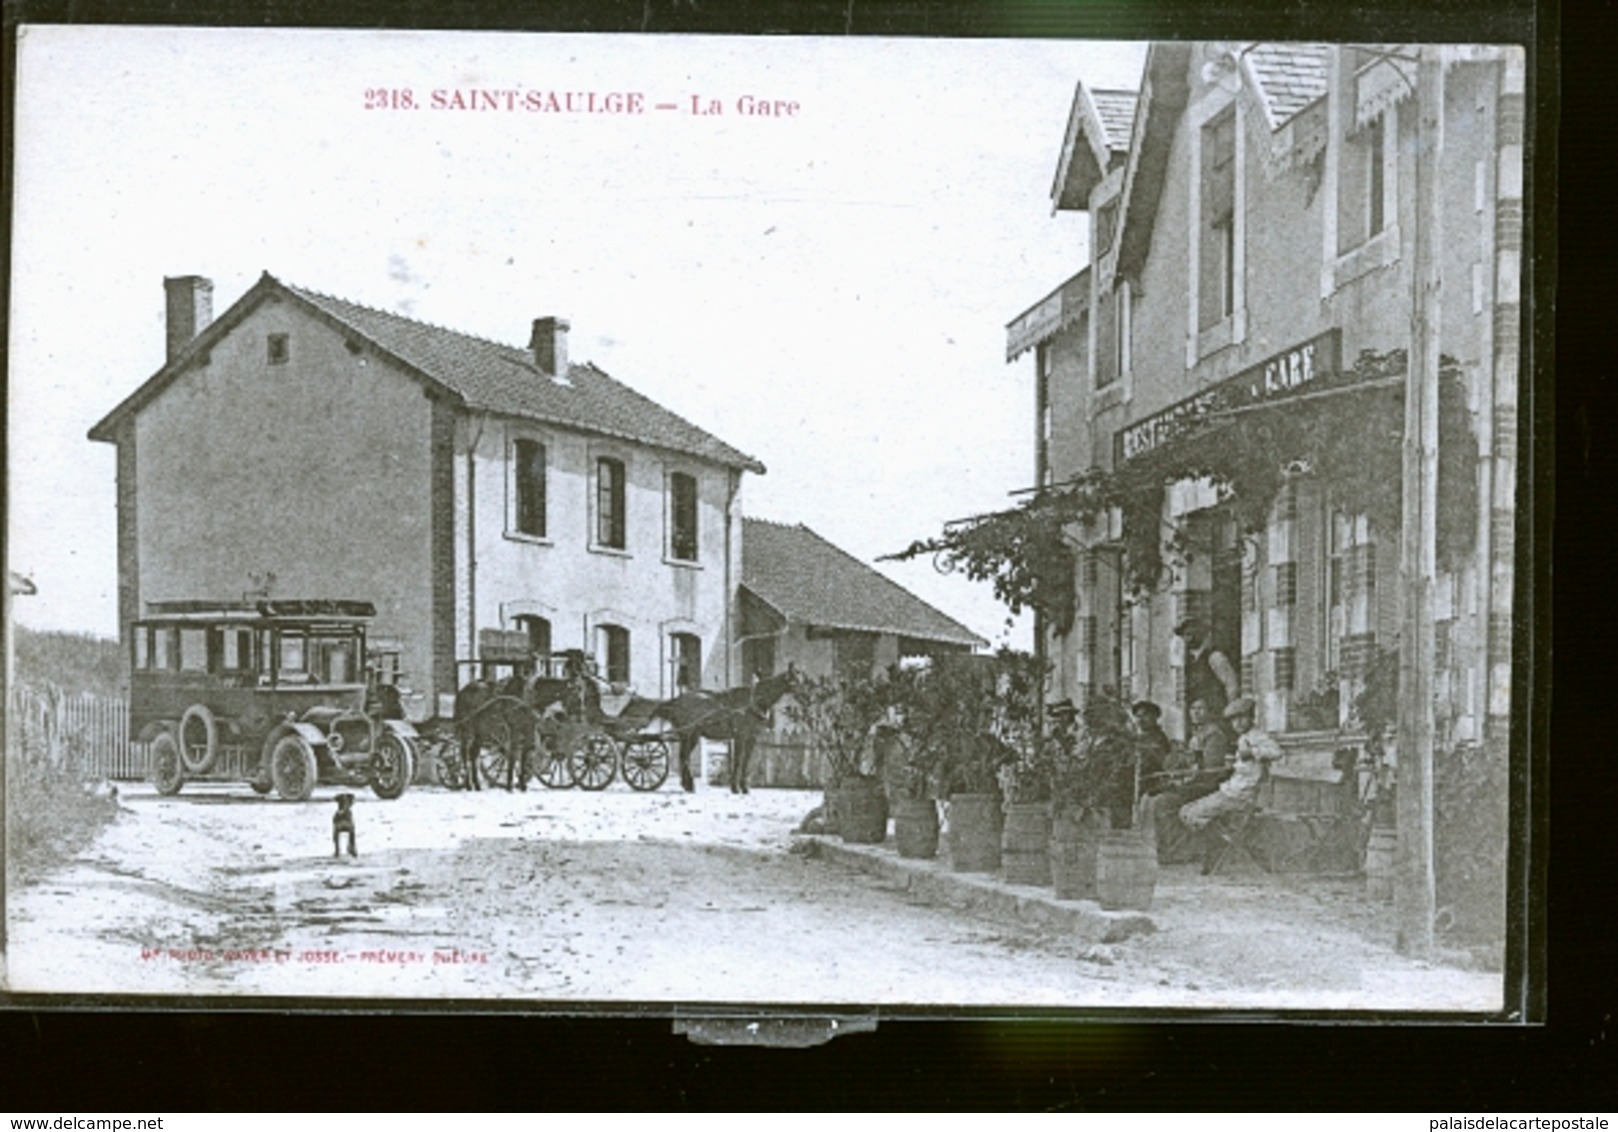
(304, 445)
(1273, 231)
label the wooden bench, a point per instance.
(1309, 816)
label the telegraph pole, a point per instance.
(1415, 896)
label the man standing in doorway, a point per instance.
(1209, 675)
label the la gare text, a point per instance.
(613, 103)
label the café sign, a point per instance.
(1274, 377)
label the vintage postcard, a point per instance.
(598, 522)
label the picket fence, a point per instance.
(86, 733)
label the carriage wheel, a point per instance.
(393, 764)
(594, 761)
(646, 763)
(450, 766)
(551, 765)
(292, 768)
(163, 759)
(497, 752)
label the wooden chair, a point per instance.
(1238, 834)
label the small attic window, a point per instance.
(279, 350)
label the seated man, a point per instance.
(1238, 794)
(1152, 744)
(1197, 771)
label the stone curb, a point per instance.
(983, 893)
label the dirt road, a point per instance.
(618, 897)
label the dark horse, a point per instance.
(494, 713)
(514, 714)
(736, 716)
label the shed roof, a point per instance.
(808, 580)
(481, 375)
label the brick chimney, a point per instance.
(190, 310)
(549, 347)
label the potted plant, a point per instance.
(955, 713)
(908, 757)
(1376, 708)
(839, 714)
(1096, 848)
(1316, 710)
(1026, 779)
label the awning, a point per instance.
(1061, 308)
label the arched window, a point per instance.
(685, 662)
(538, 630)
(612, 652)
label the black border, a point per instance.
(109, 1059)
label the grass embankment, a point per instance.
(54, 804)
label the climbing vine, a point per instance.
(1351, 440)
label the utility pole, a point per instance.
(1415, 896)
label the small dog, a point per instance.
(343, 822)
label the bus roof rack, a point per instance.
(278, 607)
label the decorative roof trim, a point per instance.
(1055, 312)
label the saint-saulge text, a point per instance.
(586, 102)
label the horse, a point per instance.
(495, 714)
(736, 716)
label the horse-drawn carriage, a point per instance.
(553, 718)
(550, 718)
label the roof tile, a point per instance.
(1290, 76)
(499, 378)
(809, 580)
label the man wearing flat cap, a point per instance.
(1209, 675)
(1238, 793)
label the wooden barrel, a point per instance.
(1073, 856)
(1025, 843)
(1379, 862)
(974, 833)
(862, 811)
(1126, 870)
(915, 827)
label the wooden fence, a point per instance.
(85, 733)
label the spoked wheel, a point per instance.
(496, 753)
(594, 761)
(449, 765)
(646, 763)
(163, 761)
(551, 765)
(393, 764)
(292, 768)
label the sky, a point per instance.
(826, 289)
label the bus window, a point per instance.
(142, 640)
(193, 650)
(162, 649)
(338, 663)
(292, 658)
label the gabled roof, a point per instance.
(1098, 131)
(1115, 113)
(808, 580)
(1164, 92)
(481, 375)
